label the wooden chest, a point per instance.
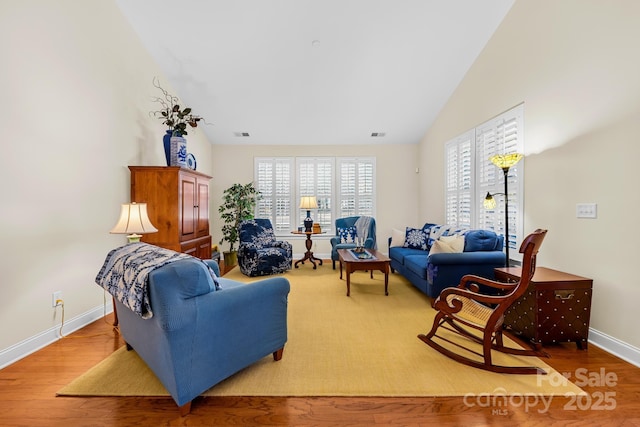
(555, 308)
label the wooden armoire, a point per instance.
(178, 205)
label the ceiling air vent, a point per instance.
(241, 134)
(378, 134)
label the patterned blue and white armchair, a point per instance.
(350, 228)
(259, 253)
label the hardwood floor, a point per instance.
(28, 387)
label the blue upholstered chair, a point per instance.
(346, 231)
(259, 253)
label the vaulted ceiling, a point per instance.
(314, 71)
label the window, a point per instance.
(459, 198)
(470, 175)
(343, 186)
(502, 135)
(274, 180)
(315, 178)
(356, 186)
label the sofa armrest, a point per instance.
(282, 244)
(213, 264)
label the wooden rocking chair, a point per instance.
(479, 317)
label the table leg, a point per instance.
(115, 312)
(348, 280)
(386, 279)
(308, 254)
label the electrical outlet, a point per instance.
(55, 297)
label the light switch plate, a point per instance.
(587, 210)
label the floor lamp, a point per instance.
(504, 162)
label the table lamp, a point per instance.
(134, 221)
(308, 203)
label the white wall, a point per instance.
(396, 180)
(76, 87)
(575, 65)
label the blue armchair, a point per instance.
(199, 328)
(259, 253)
(346, 231)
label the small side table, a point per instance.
(555, 308)
(309, 254)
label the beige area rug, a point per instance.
(362, 345)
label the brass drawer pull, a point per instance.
(564, 295)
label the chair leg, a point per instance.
(333, 261)
(185, 409)
(277, 355)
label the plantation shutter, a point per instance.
(315, 178)
(274, 178)
(459, 156)
(501, 135)
(356, 187)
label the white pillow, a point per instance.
(447, 245)
(397, 238)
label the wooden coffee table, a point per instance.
(352, 263)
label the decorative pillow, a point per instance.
(397, 238)
(447, 245)
(347, 234)
(456, 232)
(456, 242)
(435, 232)
(416, 238)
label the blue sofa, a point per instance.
(204, 328)
(431, 273)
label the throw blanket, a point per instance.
(125, 273)
(362, 225)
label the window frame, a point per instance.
(329, 205)
(503, 134)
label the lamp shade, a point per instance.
(505, 161)
(308, 202)
(489, 202)
(134, 220)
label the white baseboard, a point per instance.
(31, 345)
(614, 346)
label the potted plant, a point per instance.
(176, 118)
(239, 202)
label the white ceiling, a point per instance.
(314, 71)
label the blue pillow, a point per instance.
(347, 234)
(481, 240)
(416, 238)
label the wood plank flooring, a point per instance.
(28, 387)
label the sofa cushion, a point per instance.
(399, 253)
(481, 240)
(416, 238)
(417, 264)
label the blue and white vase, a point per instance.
(175, 149)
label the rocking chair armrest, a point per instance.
(469, 280)
(442, 304)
